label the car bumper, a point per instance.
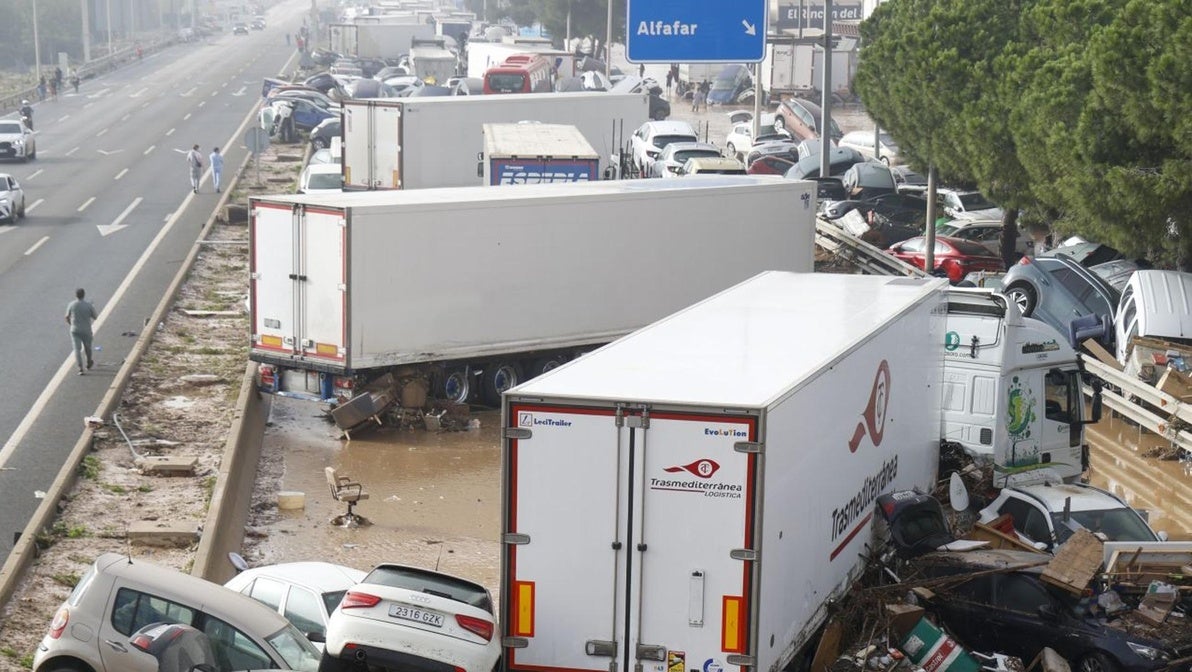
(419, 650)
(12, 153)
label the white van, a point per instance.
(1155, 304)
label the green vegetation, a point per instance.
(113, 488)
(1072, 110)
(90, 467)
(68, 580)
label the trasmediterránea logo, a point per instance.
(700, 481)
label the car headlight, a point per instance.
(1148, 652)
(18, 143)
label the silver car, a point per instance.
(1058, 290)
(12, 199)
(17, 141)
(674, 155)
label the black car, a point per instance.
(1013, 611)
(320, 136)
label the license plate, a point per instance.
(416, 615)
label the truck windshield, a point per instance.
(1063, 401)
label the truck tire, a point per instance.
(498, 377)
(457, 386)
(544, 364)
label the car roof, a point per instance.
(669, 128)
(1084, 498)
(714, 162)
(322, 577)
(323, 168)
(239, 610)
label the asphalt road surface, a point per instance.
(110, 209)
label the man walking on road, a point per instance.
(195, 161)
(79, 314)
(216, 167)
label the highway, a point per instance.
(110, 209)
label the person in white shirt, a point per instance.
(216, 160)
(195, 161)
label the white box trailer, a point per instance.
(787, 69)
(377, 40)
(536, 154)
(479, 287)
(691, 496)
(414, 143)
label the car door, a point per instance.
(962, 606)
(912, 251)
(1016, 615)
(130, 610)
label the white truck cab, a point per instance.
(1011, 389)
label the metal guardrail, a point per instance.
(869, 258)
(1157, 411)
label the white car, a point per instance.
(987, 233)
(1037, 512)
(862, 141)
(674, 155)
(653, 136)
(402, 617)
(321, 178)
(959, 204)
(305, 593)
(17, 141)
(118, 596)
(12, 199)
(740, 138)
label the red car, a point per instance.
(954, 256)
(770, 165)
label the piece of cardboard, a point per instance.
(903, 617)
(1155, 607)
(1097, 350)
(1075, 563)
(1178, 385)
(829, 646)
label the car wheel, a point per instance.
(499, 377)
(21, 212)
(886, 160)
(320, 143)
(1098, 662)
(1024, 295)
(779, 123)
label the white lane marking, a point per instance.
(108, 229)
(36, 245)
(170, 132)
(187, 116)
(121, 173)
(37, 172)
(39, 405)
(151, 148)
(107, 152)
(138, 93)
(99, 93)
(35, 204)
(101, 133)
(222, 86)
(239, 92)
(7, 227)
(125, 117)
(189, 92)
(72, 151)
(202, 103)
(87, 105)
(86, 203)
(64, 117)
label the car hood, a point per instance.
(1172, 635)
(11, 136)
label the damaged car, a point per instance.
(1000, 602)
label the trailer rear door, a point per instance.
(372, 145)
(628, 539)
(299, 283)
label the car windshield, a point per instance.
(1116, 524)
(974, 201)
(682, 156)
(332, 599)
(324, 181)
(296, 650)
(10, 127)
(661, 141)
(430, 582)
(506, 83)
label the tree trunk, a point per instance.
(1010, 237)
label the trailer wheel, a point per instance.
(457, 386)
(541, 366)
(499, 377)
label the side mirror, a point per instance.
(317, 637)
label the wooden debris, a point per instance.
(829, 646)
(1098, 351)
(1178, 385)
(1155, 607)
(998, 539)
(1075, 563)
(903, 618)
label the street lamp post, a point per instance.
(109, 23)
(36, 43)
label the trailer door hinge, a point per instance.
(515, 539)
(519, 433)
(619, 417)
(514, 642)
(754, 447)
(741, 660)
(744, 554)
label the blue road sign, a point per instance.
(695, 31)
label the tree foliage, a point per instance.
(1076, 109)
(59, 25)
